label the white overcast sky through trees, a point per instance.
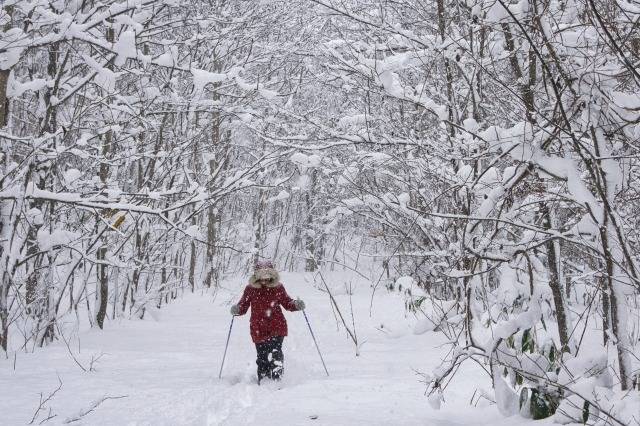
(452, 186)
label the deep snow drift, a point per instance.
(164, 370)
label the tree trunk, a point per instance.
(555, 281)
(259, 226)
(606, 307)
(4, 101)
(442, 25)
(38, 290)
(5, 219)
(311, 263)
(101, 253)
(211, 276)
(103, 291)
(192, 266)
(4, 77)
(617, 309)
(212, 212)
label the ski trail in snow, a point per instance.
(239, 399)
(167, 367)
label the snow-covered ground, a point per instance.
(164, 370)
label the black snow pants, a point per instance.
(270, 358)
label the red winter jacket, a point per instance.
(267, 319)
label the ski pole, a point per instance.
(226, 346)
(314, 341)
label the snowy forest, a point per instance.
(476, 162)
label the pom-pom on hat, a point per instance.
(263, 264)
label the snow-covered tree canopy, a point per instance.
(482, 155)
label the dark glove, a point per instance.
(235, 310)
(299, 304)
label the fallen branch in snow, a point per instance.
(95, 404)
(50, 416)
(43, 402)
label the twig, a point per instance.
(94, 359)
(50, 416)
(44, 401)
(333, 300)
(66, 343)
(353, 319)
(91, 408)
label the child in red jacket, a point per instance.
(265, 294)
